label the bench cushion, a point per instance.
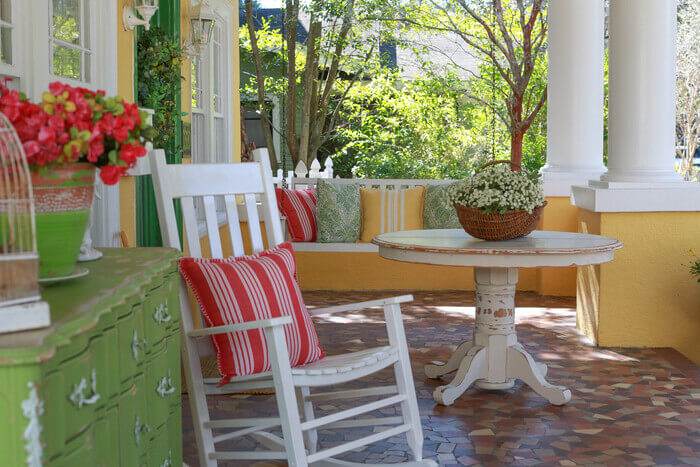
(390, 211)
(299, 207)
(250, 288)
(338, 212)
(437, 212)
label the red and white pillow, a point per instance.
(299, 207)
(250, 288)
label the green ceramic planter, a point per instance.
(62, 199)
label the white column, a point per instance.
(642, 91)
(575, 94)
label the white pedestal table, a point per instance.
(494, 358)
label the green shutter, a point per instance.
(147, 228)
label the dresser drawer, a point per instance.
(160, 453)
(73, 393)
(160, 316)
(135, 430)
(95, 446)
(162, 380)
(132, 344)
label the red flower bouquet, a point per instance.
(78, 125)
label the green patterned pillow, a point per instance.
(437, 212)
(338, 212)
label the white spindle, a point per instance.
(301, 170)
(315, 169)
(328, 164)
(279, 177)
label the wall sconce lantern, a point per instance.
(145, 8)
(202, 21)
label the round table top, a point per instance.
(454, 247)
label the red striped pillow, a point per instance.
(299, 207)
(249, 288)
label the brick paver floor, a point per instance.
(638, 407)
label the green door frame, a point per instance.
(147, 227)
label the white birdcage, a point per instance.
(20, 302)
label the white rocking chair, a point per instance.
(292, 385)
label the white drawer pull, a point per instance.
(137, 343)
(140, 429)
(78, 397)
(165, 386)
(168, 461)
(161, 314)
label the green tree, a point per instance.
(394, 128)
(509, 40)
(338, 52)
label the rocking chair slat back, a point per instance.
(206, 182)
(232, 217)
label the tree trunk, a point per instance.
(516, 146)
(291, 17)
(310, 78)
(260, 78)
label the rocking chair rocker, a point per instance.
(292, 385)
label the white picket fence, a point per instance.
(301, 171)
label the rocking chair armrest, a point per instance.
(260, 324)
(361, 305)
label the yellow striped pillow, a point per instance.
(390, 211)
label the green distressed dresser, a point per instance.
(101, 386)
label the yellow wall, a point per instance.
(560, 216)
(125, 60)
(646, 296)
(125, 45)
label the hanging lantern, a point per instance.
(202, 20)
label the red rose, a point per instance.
(106, 124)
(110, 174)
(46, 135)
(56, 123)
(31, 148)
(129, 153)
(95, 146)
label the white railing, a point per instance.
(300, 171)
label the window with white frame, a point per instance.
(70, 51)
(211, 98)
(73, 41)
(9, 44)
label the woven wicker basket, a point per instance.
(496, 226)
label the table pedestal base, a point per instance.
(494, 359)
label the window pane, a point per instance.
(86, 67)
(66, 24)
(220, 140)
(66, 62)
(196, 84)
(5, 11)
(6, 45)
(216, 69)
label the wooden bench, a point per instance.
(357, 266)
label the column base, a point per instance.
(606, 196)
(559, 183)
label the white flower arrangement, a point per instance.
(498, 189)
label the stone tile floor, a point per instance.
(638, 407)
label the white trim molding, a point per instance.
(637, 197)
